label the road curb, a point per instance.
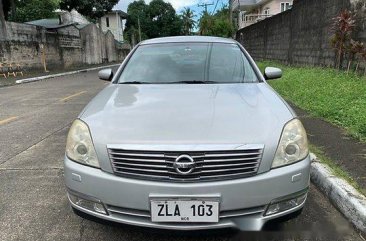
(34, 79)
(346, 198)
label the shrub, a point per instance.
(342, 27)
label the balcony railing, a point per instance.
(248, 19)
(244, 4)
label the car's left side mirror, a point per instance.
(272, 73)
(105, 74)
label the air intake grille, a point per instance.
(207, 165)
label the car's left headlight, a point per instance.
(79, 146)
(293, 146)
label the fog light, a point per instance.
(94, 206)
(281, 206)
(98, 207)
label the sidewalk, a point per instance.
(40, 73)
(349, 154)
(347, 164)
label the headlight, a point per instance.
(293, 145)
(80, 146)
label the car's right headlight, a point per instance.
(79, 146)
(293, 145)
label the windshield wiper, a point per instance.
(174, 82)
(134, 83)
(192, 82)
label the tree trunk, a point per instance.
(13, 9)
(3, 32)
(339, 59)
(349, 66)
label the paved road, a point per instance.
(34, 120)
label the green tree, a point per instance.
(218, 24)
(205, 23)
(158, 19)
(138, 20)
(29, 10)
(93, 9)
(165, 21)
(189, 23)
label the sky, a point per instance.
(179, 5)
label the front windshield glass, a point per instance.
(188, 63)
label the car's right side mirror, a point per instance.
(272, 73)
(105, 74)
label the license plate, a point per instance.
(186, 211)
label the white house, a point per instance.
(71, 17)
(114, 22)
(247, 12)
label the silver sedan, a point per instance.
(188, 135)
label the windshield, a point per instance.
(188, 63)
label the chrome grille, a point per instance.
(115, 210)
(209, 165)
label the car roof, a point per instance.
(184, 39)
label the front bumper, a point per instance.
(243, 202)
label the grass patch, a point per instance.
(337, 170)
(327, 93)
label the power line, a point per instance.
(205, 5)
(215, 7)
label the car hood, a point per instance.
(186, 115)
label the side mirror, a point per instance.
(105, 74)
(272, 73)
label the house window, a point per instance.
(285, 6)
(266, 11)
(107, 22)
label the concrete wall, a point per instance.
(70, 46)
(359, 6)
(110, 45)
(23, 45)
(64, 48)
(92, 39)
(22, 32)
(298, 36)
